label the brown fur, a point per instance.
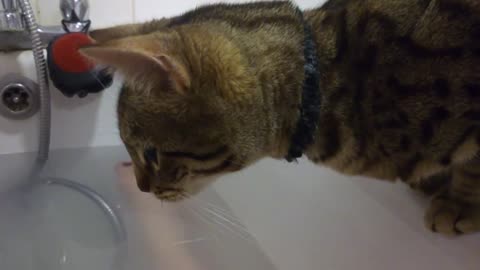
(218, 88)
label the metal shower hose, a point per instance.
(44, 140)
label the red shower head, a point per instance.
(65, 53)
(71, 72)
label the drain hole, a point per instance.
(16, 90)
(18, 98)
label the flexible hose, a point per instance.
(44, 136)
(42, 78)
(117, 223)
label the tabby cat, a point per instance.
(383, 88)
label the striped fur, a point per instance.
(217, 88)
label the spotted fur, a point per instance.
(219, 87)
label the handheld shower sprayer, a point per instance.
(69, 71)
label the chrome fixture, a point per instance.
(18, 31)
(15, 36)
(19, 97)
(10, 16)
(20, 40)
(75, 15)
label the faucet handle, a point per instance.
(75, 15)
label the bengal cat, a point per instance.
(383, 88)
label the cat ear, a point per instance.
(159, 69)
(129, 30)
(116, 32)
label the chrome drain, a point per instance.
(19, 97)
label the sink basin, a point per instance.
(272, 216)
(54, 226)
(80, 217)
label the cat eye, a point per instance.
(213, 154)
(150, 155)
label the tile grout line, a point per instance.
(133, 11)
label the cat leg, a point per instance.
(456, 210)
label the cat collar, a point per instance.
(309, 108)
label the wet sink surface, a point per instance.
(56, 227)
(272, 216)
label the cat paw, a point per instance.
(431, 185)
(450, 217)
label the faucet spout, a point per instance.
(9, 5)
(10, 16)
(13, 34)
(75, 15)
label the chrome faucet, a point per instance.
(10, 16)
(13, 35)
(75, 15)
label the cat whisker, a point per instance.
(235, 231)
(213, 207)
(184, 195)
(220, 209)
(187, 242)
(221, 227)
(233, 223)
(94, 75)
(235, 228)
(204, 220)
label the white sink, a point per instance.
(53, 226)
(296, 216)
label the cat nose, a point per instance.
(144, 185)
(142, 178)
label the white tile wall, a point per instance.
(75, 122)
(91, 121)
(149, 9)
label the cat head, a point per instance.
(190, 108)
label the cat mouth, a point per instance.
(170, 194)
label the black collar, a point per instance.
(311, 98)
